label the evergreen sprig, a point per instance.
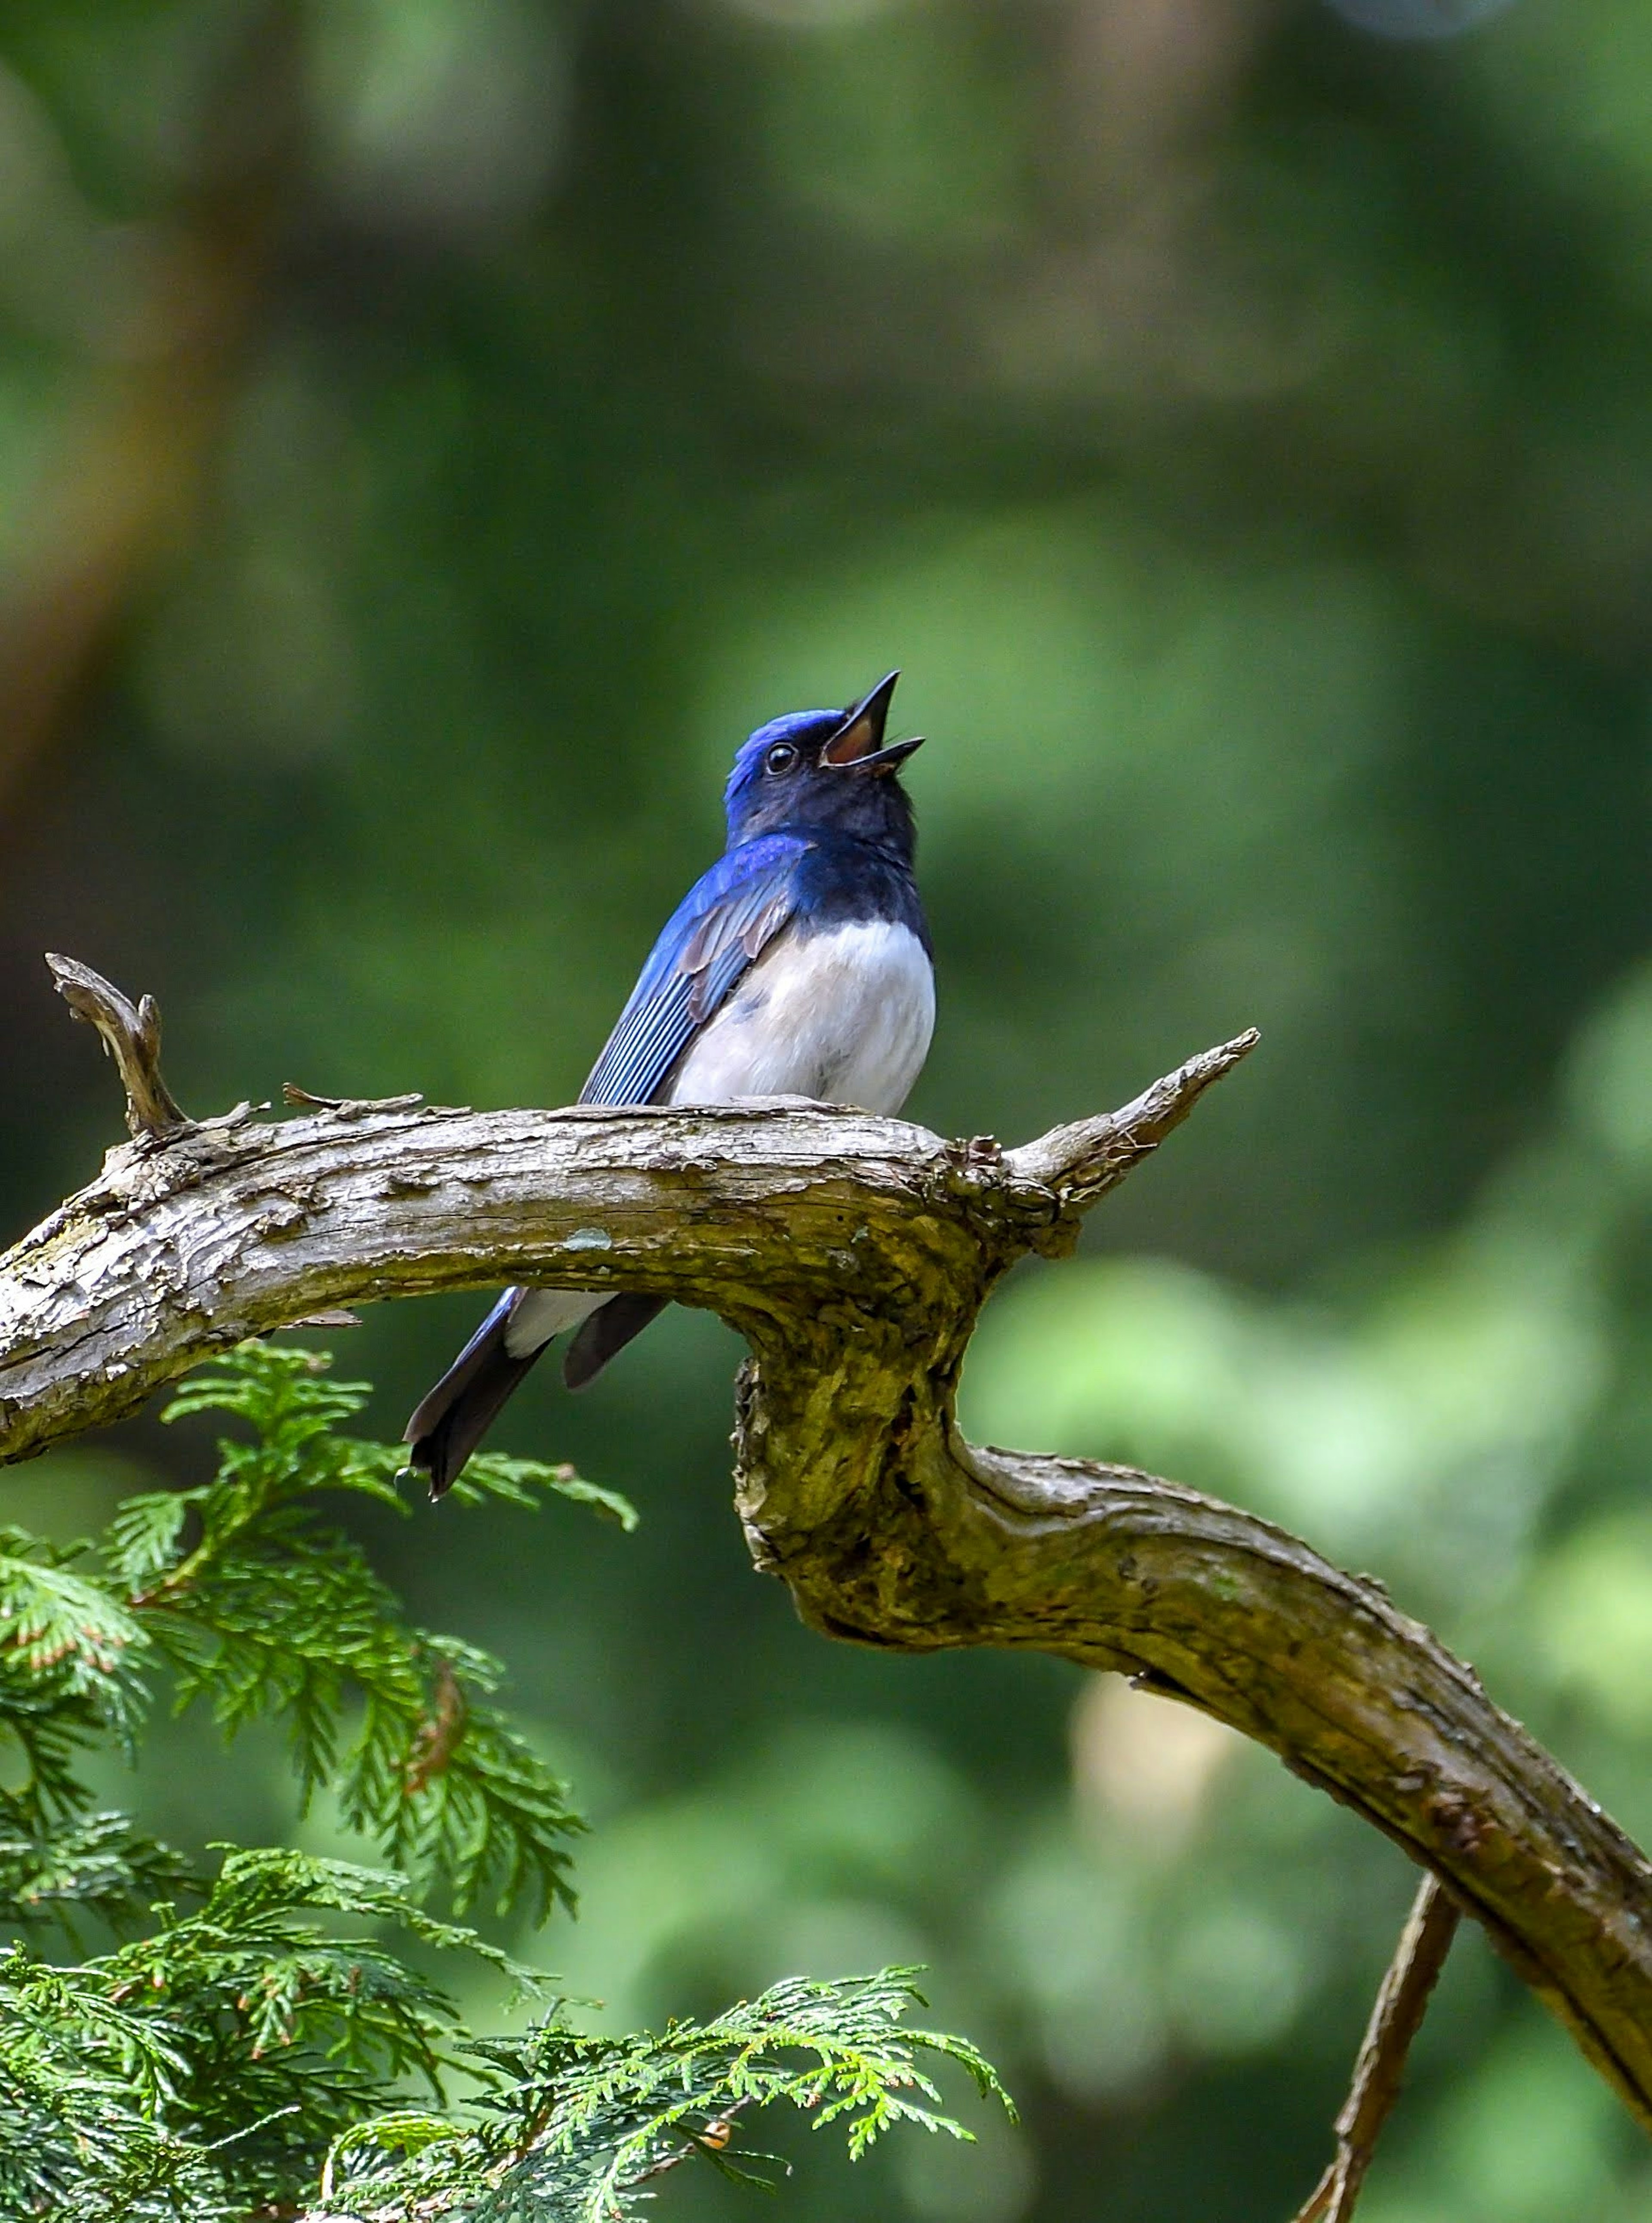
(204, 2069)
(263, 1608)
(574, 2129)
(253, 2041)
(75, 1668)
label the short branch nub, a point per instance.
(131, 1036)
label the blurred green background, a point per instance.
(433, 431)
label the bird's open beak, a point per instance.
(858, 743)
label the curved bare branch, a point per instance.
(854, 1254)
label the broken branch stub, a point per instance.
(131, 1036)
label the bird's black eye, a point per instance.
(780, 758)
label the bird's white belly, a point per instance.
(843, 1016)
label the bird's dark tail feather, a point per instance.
(462, 1407)
(608, 1329)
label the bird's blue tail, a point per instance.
(462, 1407)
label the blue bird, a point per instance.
(800, 965)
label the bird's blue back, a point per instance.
(716, 932)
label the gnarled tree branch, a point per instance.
(854, 1254)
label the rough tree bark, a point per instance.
(854, 1254)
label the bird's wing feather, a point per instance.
(716, 932)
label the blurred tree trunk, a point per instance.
(131, 452)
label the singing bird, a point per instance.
(800, 965)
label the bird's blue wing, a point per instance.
(714, 936)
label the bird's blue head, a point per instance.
(816, 771)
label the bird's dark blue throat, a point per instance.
(824, 773)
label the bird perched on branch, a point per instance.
(799, 966)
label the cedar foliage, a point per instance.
(255, 2042)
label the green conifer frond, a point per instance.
(521, 1481)
(576, 2128)
(257, 2041)
(227, 2047)
(73, 1664)
(93, 1864)
(261, 1608)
